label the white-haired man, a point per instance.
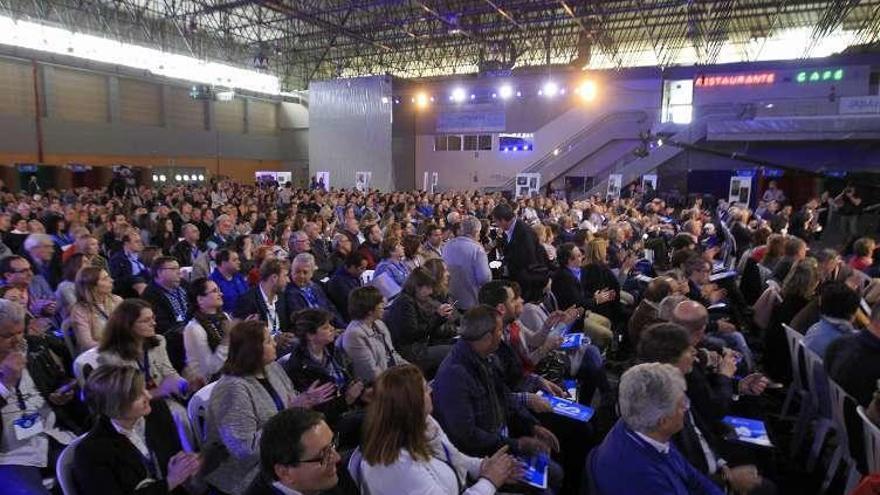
(467, 262)
(638, 456)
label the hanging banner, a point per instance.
(615, 182)
(471, 121)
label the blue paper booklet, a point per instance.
(535, 470)
(569, 409)
(571, 341)
(747, 430)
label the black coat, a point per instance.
(569, 291)
(123, 277)
(411, 326)
(296, 301)
(108, 463)
(183, 252)
(339, 287)
(252, 303)
(524, 256)
(304, 371)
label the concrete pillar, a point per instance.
(47, 98)
(113, 104)
(165, 103)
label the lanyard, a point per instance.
(309, 294)
(145, 369)
(22, 404)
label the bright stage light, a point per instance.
(421, 100)
(550, 89)
(178, 177)
(505, 91)
(587, 90)
(458, 95)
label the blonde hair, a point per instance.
(596, 251)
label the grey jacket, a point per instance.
(367, 349)
(468, 268)
(238, 409)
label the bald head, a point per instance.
(692, 316)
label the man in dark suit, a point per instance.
(293, 442)
(130, 274)
(266, 301)
(169, 299)
(524, 257)
(346, 279)
(304, 293)
(170, 302)
(566, 285)
(669, 343)
(189, 249)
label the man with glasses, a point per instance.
(40, 249)
(29, 430)
(16, 272)
(297, 455)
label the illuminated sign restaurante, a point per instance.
(760, 78)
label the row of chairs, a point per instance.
(825, 409)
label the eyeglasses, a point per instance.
(325, 455)
(22, 270)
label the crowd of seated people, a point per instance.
(235, 339)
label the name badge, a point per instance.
(28, 426)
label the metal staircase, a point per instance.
(585, 142)
(632, 167)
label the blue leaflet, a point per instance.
(747, 430)
(535, 470)
(569, 408)
(571, 341)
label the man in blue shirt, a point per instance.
(638, 456)
(838, 305)
(228, 278)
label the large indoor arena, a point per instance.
(440, 247)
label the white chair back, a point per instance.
(64, 467)
(284, 359)
(197, 410)
(795, 350)
(84, 364)
(839, 398)
(872, 441)
(818, 383)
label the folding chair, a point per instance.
(196, 409)
(839, 400)
(795, 389)
(64, 467)
(872, 441)
(821, 405)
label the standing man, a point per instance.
(467, 263)
(524, 257)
